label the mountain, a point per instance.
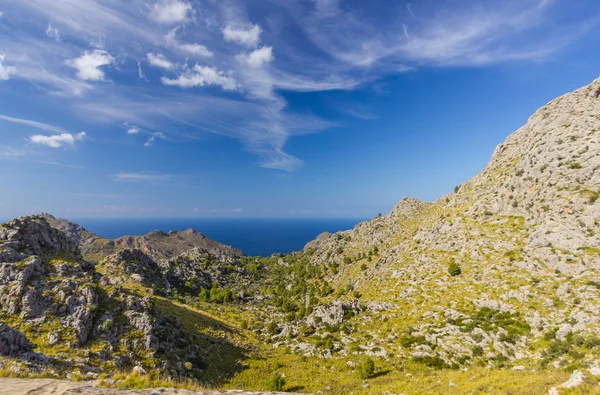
(493, 288)
(158, 244)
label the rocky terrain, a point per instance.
(494, 287)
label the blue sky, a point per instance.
(281, 108)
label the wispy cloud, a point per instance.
(10, 152)
(33, 124)
(52, 32)
(187, 48)
(149, 142)
(244, 34)
(153, 178)
(6, 72)
(222, 68)
(218, 211)
(200, 76)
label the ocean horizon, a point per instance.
(253, 236)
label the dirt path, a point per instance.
(59, 387)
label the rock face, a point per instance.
(333, 314)
(134, 265)
(12, 342)
(43, 275)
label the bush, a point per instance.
(204, 295)
(434, 362)
(276, 383)
(477, 351)
(244, 324)
(454, 269)
(367, 368)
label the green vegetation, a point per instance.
(276, 383)
(367, 368)
(454, 269)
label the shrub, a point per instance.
(272, 328)
(434, 362)
(367, 368)
(409, 340)
(454, 269)
(477, 351)
(329, 344)
(203, 295)
(276, 383)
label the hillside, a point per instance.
(492, 288)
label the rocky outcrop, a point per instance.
(333, 314)
(33, 235)
(134, 265)
(12, 342)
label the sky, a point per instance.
(270, 108)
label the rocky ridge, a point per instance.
(524, 235)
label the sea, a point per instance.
(256, 237)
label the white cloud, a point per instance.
(89, 63)
(34, 124)
(202, 76)
(6, 72)
(133, 131)
(192, 49)
(149, 142)
(52, 32)
(158, 60)
(141, 75)
(196, 49)
(171, 11)
(257, 58)
(1, 14)
(142, 177)
(248, 37)
(58, 140)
